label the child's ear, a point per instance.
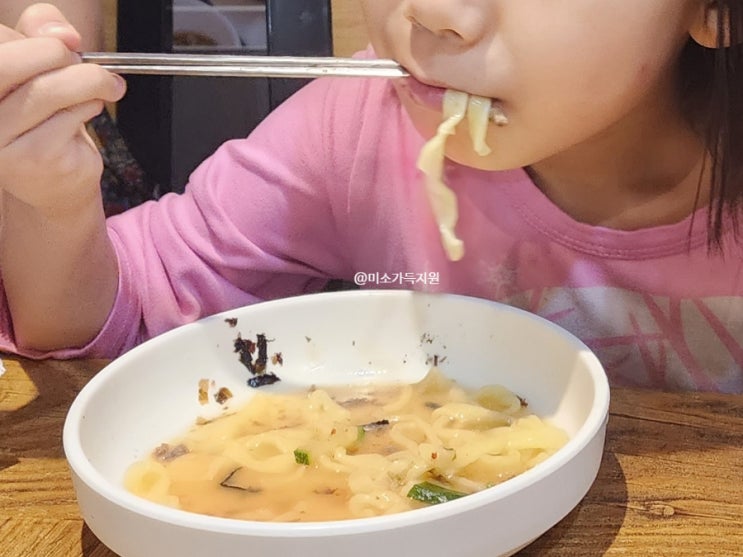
(704, 29)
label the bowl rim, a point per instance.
(117, 495)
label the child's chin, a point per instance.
(464, 155)
(459, 146)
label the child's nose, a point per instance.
(447, 19)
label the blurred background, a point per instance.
(173, 123)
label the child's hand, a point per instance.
(47, 159)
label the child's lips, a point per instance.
(426, 95)
(432, 96)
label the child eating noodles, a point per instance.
(608, 203)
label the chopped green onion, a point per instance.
(432, 494)
(301, 457)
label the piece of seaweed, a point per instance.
(246, 350)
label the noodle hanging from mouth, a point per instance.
(457, 105)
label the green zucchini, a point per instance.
(301, 457)
(433, 494)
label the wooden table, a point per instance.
(671, 482)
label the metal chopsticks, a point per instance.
(223, 65)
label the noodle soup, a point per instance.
(343, 453)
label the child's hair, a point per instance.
(712, 93)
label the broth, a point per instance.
(342, 453)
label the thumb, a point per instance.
(45, 20)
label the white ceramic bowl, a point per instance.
(150, 395)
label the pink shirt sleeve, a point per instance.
(262, 218)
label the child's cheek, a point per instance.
(382, 47)
(644, 75)
(425, 120)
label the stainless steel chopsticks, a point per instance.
(223, 65)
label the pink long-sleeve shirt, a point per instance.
(327, 187)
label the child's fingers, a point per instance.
(45, 20)
(7, 34)
(39, 166)
(47, 144)
(20, 60)
(36, 101)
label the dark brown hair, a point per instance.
(712, 90)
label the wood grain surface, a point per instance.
(671, 481)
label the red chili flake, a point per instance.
(332, 431)
(434, 456)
